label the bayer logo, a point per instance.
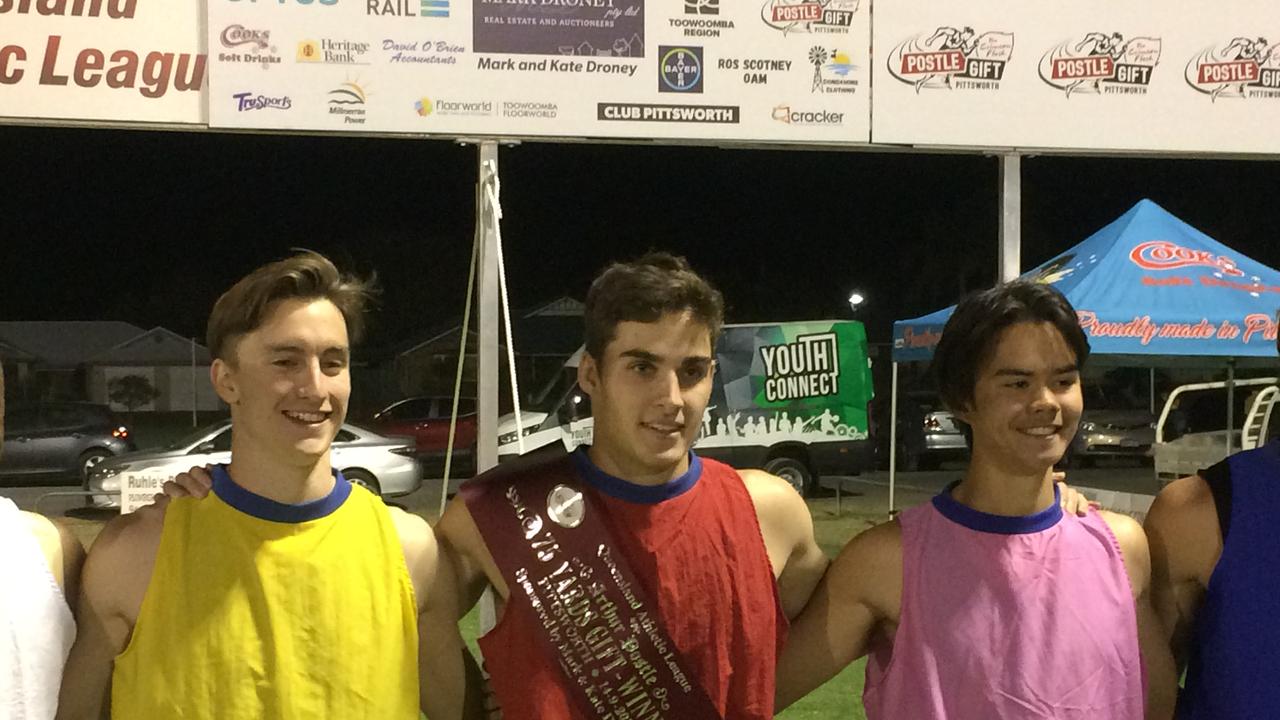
(680, 69)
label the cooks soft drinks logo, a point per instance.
(1166, 255)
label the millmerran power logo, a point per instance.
(953, 59)
(808, 367)
(1102, 63)
(679, 69)
(809, 16)
(347, 102)
(1242, 68)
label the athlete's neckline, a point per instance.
(621, 489)
(997, 524)
(264, 508)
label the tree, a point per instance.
(131, 391)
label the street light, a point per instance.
(855, 300)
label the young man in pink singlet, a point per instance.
(989, 601)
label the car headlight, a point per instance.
(102, 473)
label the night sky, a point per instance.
(149, 227)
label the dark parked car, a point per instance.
(60, 439)
(426, 420)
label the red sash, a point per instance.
(597, 623)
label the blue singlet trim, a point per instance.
(998, 524)
(251, 503)
(631, 492)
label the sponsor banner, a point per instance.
(1196, 76)
(111, 60)
(781, 71)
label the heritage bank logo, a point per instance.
(408, 8)
(808, 367)
(1102, 63)
(334, 52)
(952, 59)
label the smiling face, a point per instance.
(288, 383)
(1026, 401)
(648, 395)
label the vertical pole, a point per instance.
(893, 435)
(1152, 372)
(1231, 404)
(1010, 260)
(487, 340)
(487, 315)
(195, 404)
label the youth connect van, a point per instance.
(791, 398)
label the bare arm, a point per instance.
(444, 663)
(473, 566)
(113, 582)
(798, 563)
(858, 598)
(73, 557)
(1186, 542)
(1152, 641)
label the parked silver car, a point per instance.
(386, 465)
(1112, 433)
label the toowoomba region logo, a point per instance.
(952, 59)
(1102, 63)
(1242, 68)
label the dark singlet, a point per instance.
(1234, 668)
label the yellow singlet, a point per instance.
(259, 610)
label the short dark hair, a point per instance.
(644, 290)
(970, 336)
(306, 275)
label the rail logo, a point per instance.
(1165, 255)
(952, 59)
(809, 16)
(408, 8)
(1243, 68)
(1100, 64)
(831, 68)
(808, 367)
(679, 69)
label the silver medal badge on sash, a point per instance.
(565, 506)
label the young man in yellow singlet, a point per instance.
(286, 592)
